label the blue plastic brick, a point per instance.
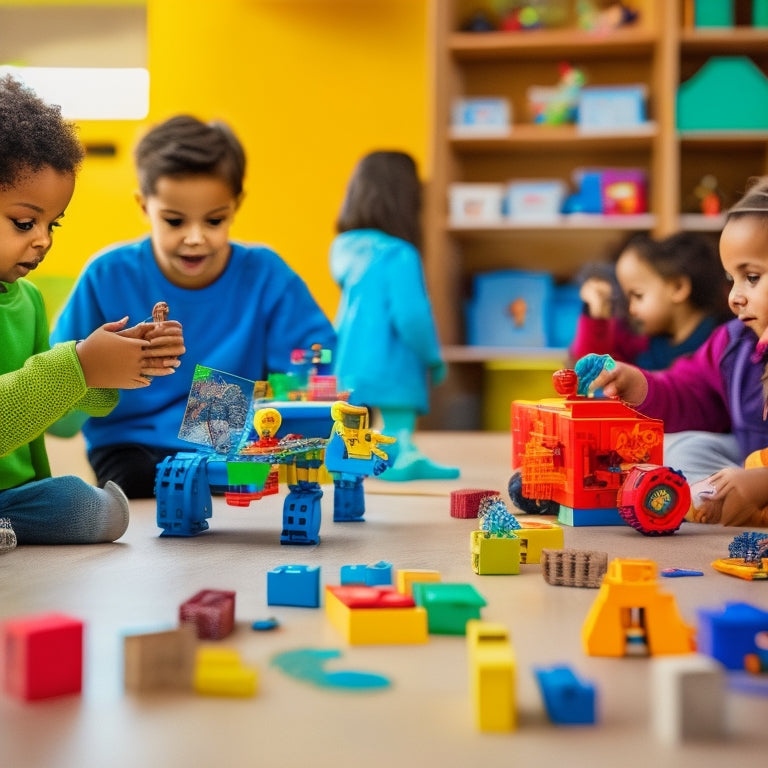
(371, 575)
(295, 585)
(568, 701)
(728, 634)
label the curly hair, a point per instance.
(693, 255)
(33, 135)
(185, 146)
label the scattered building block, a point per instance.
(688, 699)
(494, 555)
(582, 518)
(352, 574)
(294, 585)
(630, 610)
(378, 573)
(212, 611)
(492, 671)
(372, 575)
(534, 536)
(220, 672)
(568, 700)
(160, 660)
(449, 606)
(574, 567)
(465, 502)
(731, 633)
(406, 579)
(42, 656)
(375, 615)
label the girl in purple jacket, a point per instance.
(714, 402)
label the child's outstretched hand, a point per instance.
(112, 361)
(623, 381)
(739, 498)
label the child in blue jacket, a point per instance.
(388, 353)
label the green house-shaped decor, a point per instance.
(729, 93)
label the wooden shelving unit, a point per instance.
(659, 51)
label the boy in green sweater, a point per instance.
(39, 157)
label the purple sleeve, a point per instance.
(690, 394)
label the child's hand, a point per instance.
(597, 294)
(739, 498)
(111, 361)
(165, 345)
(622, 381)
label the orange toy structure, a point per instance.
(593, 461)
(631, 615)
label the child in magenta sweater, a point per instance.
(675, 294)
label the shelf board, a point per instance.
(561, 137)
(574, 221)
(526, 358)
(698, 222)
(715, 139)
(541, 43)
(734, 40)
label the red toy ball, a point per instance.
(565, 381)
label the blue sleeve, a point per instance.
(411, 309)
(297, 322)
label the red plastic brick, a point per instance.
(42, 656)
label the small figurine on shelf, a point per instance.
(597, 18)
(561, 109)
(708, 196)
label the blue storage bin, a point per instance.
(566, 308)
(510, 308)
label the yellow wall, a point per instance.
(309, 86)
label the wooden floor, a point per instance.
(426, 716)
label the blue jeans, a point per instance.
(57, 510)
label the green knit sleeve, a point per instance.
(48, 386)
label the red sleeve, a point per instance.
(606, 337)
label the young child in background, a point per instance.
(242, 307)
(675, 294)
(388, 352)
(716, 398)
(39, 158)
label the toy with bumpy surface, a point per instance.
(496, 519)
(654, 500)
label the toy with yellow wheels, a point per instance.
(654, 499)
